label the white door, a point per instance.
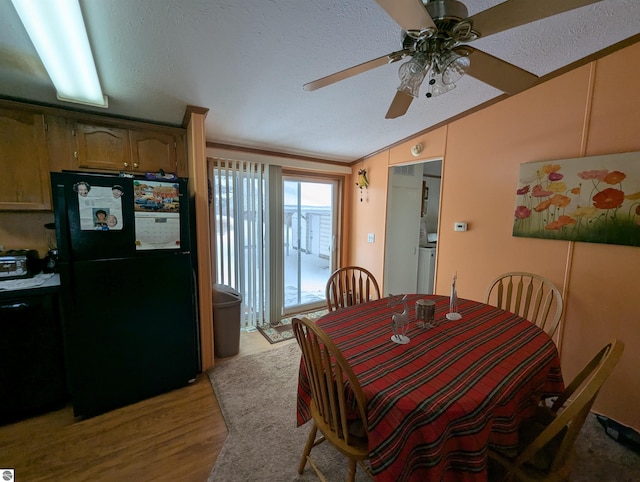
(403, 229)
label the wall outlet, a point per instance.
(371, 238)
(459, 226)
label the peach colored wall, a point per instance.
(593, 110)
(369, 216)
(480, 175)
(433, 144)
(603, 292)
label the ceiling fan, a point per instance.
(435, 34)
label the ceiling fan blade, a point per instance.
(399, 105)
(513, 13)
(410, 15)
(356, 69)
(496, 72)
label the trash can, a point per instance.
(226, 320)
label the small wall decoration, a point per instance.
(362, 182)
(591, 199)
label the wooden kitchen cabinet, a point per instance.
(60, 142)
(102, 147)
(135, 150)
(155, 148)
(36, 140)
(24, 182)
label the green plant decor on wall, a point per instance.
(591, 199)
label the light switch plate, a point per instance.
(371, 238)
(459, 226)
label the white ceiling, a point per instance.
(246, 61)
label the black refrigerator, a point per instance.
(127, 288)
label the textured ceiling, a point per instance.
(246, 61)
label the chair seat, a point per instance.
(358, 446)
(341, 424)
(546, 442)
(530, 430)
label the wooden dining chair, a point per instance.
(329, 373)
(546, 445)
(528, 295)
(349, 286)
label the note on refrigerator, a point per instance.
(100, 207)
(157, 215)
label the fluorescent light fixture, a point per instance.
(57, 31)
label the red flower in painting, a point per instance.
(638, 209)
(522, 212)
(608, 198)
(614, 177)
(560, 222)
(538, 191)
(593, 174)
(523, 190)
(555, 176)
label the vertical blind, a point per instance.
(239, 233)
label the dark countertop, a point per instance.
(429, 245)
(38, 284)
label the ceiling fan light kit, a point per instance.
(454, 66)
(437, 86)
(435, 34)
(411, 74)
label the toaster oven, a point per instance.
(17, 264)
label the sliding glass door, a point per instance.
(274, 235)
(310, 221)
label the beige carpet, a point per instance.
(257, 394)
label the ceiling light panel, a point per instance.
(57, 31)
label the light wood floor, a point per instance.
(174, 437)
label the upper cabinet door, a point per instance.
(152, 151)
(102, 147)
(135, 150)
(24, 182)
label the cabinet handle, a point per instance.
(135, 164)
(126, 164)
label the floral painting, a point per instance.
(590, 199)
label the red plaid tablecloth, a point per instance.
(437, 403)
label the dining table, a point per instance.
(437, 403)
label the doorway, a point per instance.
(310, 223)
(413, 208)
